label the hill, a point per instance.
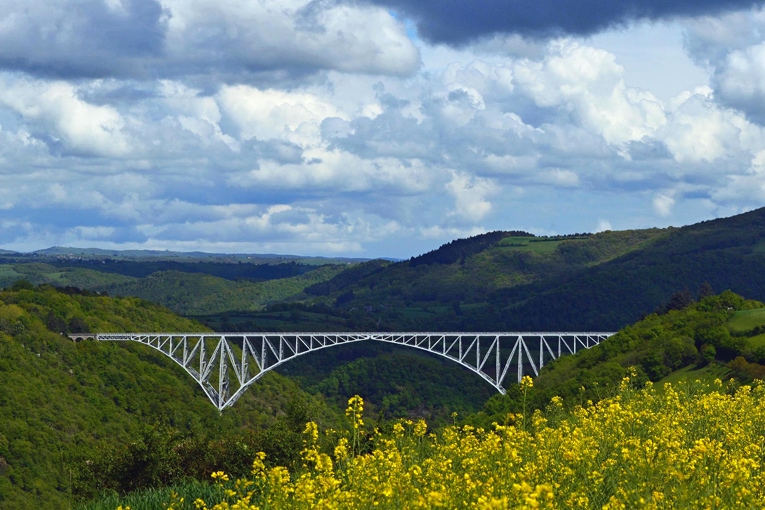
(76, 418)
(186, 288)
(96, 254)
(517, 281)
(194, 294)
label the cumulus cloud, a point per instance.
(740, 81)
(588, 82)
(470, 196)
(268, 114)
(733, 48)
(663, 203)
(603, 226)
(748, 187)
(89, 38)
(71, 123)
(145, 39)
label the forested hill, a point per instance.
(77, 418)
(517, 281)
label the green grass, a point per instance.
(756, 341)
(706, 374)
(746, 320)
(759, 247)
(152, 499)
(533, 244)
(515, 241)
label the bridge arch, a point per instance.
(226, 364)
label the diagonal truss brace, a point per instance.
(226, 364)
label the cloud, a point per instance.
(210, 39)
(603, 226)
(589, 83)
(187, 144)
(470, 196)
(747, 187)
(89, 38)
(733, 48)
(663, 203)
(740, 81)
(71, 123)
(267, 114)
(462, 21)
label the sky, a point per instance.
(372, 128)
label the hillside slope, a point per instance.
(515, 281)
(63, 404)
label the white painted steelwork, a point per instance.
(246, 357)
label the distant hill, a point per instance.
(502, 280)
(186, 287)
(517, 281)
(142, 255)
(195, 294)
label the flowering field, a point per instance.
(689, 446)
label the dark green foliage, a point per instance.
(197, 294)
(162, 456)
(190, 288)
(677, 301)
(458, 249)
(22, 285)
(348, 277)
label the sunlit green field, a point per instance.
(746, 320)
(534, 244)
(706, 375)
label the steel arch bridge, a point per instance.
(226, 364)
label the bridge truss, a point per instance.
(226, 364)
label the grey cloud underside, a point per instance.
(204, 41)
(43, 41)
(461, 21)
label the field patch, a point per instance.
(746, 320)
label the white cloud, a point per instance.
(700, 130)
(748, 187)
(82, 127)
(470, 196)
(297, 33)
(588, 82)
(269, 114)
(170, 38)
(603, 226)
(558, 177)
(341, 172)
(664, 203)
(732, 46)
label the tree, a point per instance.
(705, 290)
